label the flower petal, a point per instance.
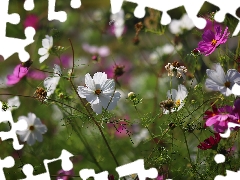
(42, 51)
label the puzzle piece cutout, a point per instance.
(9, 45)
(137, 167)
(20, 125)
(192, 9)
(7, 162)
(52, 14)
(66, 166)
(220, 158)
(15, 45)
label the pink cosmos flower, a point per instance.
(211, 40)
(31, 20)
(210, 143)
(220, 118)
(20, 71)
(211, 24)
(65, 175)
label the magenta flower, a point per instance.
(160, 177)
(211, 40)
(18, 73)
(65, 175)
(220, 120)
(210, 143)
(32, 21)
(34, 74)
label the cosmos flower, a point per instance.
(50, 83)
(32, 21)
(219, 118)
(47, 44)
(34, 130)
(99, 92)
(65, 175)
(211, 40)
(20, 71)
(175, 98)
(175, 68)
(218, 81)
(210, 143)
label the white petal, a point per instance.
(217, 75)
(100, 78)
(14, 103)
(46, 43)
(233, 76)
(43, 58)
(84, 91)
(42, 51)
(38, 135)
(182, 92)
(172, 94)
(108, 86)
(57, 70)
(89, 82)
(97, 108)
(51, 41)
(31, 139)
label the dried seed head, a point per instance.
(138, 26)
(40, 94)
(167, 104)
(119, 70)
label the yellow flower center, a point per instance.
(31, 128)
(238, 121)
(178, 102)
(227, 84)
(98, 91)
(214, 42)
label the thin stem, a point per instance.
(92, 118)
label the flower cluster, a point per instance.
(175, 67)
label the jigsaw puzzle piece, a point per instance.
(87, 173)
(7, 162)
(20, 125)
(66, 166)
(13, 45)
(137, 167)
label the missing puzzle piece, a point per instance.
(192, 9)
(66, 166)
(7, 162)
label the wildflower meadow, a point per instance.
(113, 88)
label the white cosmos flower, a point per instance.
(50, 83)
(218, 81)
(178, 97)
(99, 92)
(34, 130)
(47, 44)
